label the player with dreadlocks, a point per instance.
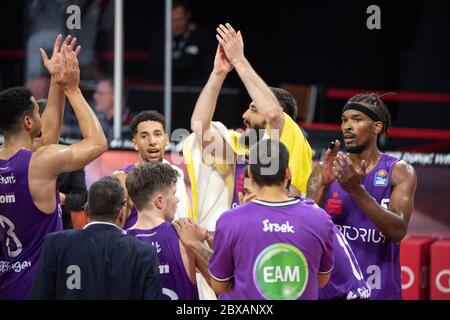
(369, 195)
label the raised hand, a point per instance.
(221, 63)
(328, 175)
(54, 62)
(68, 71)
(231, 42)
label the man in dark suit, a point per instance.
(100, 261)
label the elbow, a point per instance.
(323, 279)
(103, 144)
(216, 287)
(398, 234)
(220, 287)
(218, 291)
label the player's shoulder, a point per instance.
(236, 215)
(310, 206)
(129, 243)
(402, 165)
(403, 171)
(291, 131)
(48, 151)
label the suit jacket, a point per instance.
(73, 185)
(98, 262)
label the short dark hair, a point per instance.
(105, 199)
(147, 179)
(15, 104)
(149, 115)
(376, 104)
(287, 101)
(269, 160)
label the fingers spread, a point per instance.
(72, 43)
(77, 51)
(64, 55)
(67, 39)
(57, 44)
(43, 55)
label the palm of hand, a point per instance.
(53, 64)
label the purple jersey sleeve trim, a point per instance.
(220, 279)
(325, 272)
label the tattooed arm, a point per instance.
(193, 237)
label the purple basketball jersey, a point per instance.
(22, 228)
(273, 250)
(346, 281)
(174, 279)
(238, 183)
(378, 257)
(132, 218)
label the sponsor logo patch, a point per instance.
(381, 178)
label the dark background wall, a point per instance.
(316, 42)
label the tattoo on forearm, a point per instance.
(206, 253)
(313, 183)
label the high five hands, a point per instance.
(231, 42)
(53, 64)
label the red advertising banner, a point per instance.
(415, 264)
(440, 270)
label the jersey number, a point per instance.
(5, 223)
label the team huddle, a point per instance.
(258, 221)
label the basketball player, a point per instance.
(150, 141)
(29, 201)
(215, 156)
(368, 194)
(274, 247)
(152, 188)
(346, 280)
